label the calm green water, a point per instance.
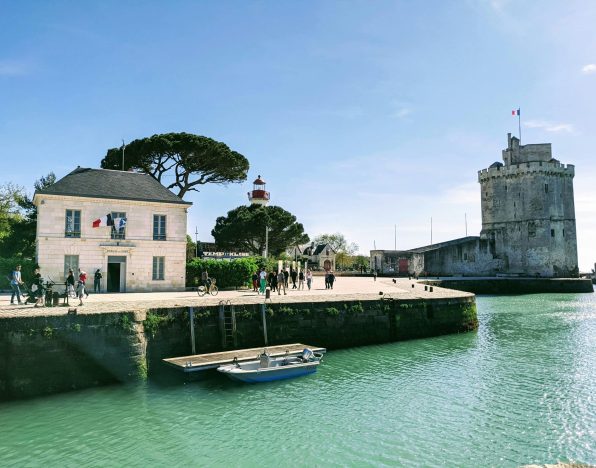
(520, 390)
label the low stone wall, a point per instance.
(43, 355)
(515, 285)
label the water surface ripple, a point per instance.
(520, 390)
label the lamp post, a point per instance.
(123, 146)
(267, 229)
(196, 242)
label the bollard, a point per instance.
(431, 289)
(268, 293)
(412, 285)
(426, 288)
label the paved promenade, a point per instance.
(344, 289)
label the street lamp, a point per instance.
(196, 242)
(267, 229)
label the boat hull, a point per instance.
(244, 373)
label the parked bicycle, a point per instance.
(209, 288)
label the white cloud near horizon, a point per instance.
(553, 127)
(589, 68)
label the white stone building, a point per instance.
(148, 254)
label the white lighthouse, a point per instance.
(259, 196)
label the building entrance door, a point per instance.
(116, 274)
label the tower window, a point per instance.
(545, 188)
(552, 233)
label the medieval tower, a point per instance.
(528, 213)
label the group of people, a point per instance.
(329, 279)
(38, 288)
(278, 281)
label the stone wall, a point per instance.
(516, 285)
(43, 355)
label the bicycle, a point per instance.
(211, 288)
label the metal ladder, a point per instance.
(227, 324)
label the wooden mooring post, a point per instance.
(264, 316)
(191, 316)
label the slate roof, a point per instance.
(116, 185)
(317, 250)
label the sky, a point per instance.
(364, 118)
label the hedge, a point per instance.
(7, 266)
(228, 273)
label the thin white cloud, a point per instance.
(589, 68)
(552, 127)
(401, 113)
(12, 68)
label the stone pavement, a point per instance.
(344, 289)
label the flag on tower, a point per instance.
(515, 112)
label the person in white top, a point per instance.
(309, 279)
(263, 279)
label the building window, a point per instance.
(72, 226)
(158, 268)
(118, 233)
(545, 188)
(159, 227)
(71, 262)
(552, 233)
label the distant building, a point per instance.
(528, 224)
(147, 254)
(320, 256)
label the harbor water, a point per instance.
(520, 390)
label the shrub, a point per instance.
(228, 273)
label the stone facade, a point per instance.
(128, 262)
(528, 214)
(528, 224)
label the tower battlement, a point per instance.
(550, 168)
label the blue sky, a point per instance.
(360, 115)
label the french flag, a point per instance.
(515, 112)
(104, 221)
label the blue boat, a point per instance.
(267, 368)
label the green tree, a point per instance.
(19, 239)
(191, 248)
(244, 228)
(192, 160)
(338, 242)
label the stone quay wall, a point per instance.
(49, 354)
(515, 285)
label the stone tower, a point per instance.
(528, 213)
(258, 196)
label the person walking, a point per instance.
(281, 283)
(39, 291)
(15, 284)
(255, 282)
(331, 279)
(301, 280)
(274, 285)
(97, 281)
(286, 276)
(263, 280)
(70, 282)
(375, 275)
(294, 275)
(83, 279)
(326, 279)
(309, 279)
(80, 291)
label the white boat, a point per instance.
(267, 368)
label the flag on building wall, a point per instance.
(104, 221)
(119, 223)
(516, 112)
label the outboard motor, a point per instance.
(264, 360)
(307, 354)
